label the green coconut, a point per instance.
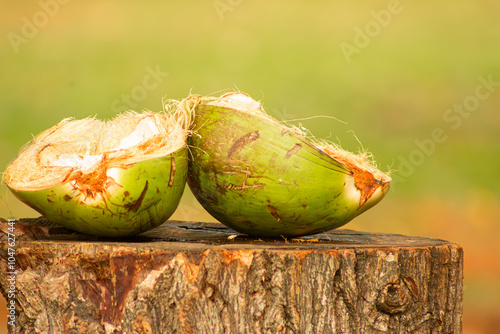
(116, 178)
(263, 178)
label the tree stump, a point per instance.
(189, 277)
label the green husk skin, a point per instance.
(139, 196)
(263, 179)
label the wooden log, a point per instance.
(189, 277)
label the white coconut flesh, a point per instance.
(366, 184)
(90, 145)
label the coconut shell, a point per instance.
(115, 179)
(263, 178)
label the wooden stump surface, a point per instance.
(191, 277)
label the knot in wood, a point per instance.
(397, 297)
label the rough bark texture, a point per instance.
(187, 277)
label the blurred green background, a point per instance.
(407, 78)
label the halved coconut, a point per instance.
(263, 178)
(115, 178)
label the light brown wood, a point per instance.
(188, 277)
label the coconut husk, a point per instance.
(361, 165)
(83, 146)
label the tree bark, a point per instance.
(188, 277)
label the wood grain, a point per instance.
(190, 277)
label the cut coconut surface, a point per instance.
(115, 178)
(90, 144)
(262, 177)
